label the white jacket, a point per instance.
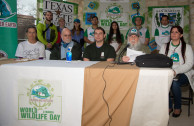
(181, 67)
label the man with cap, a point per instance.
(134, 42)
(144, 37)
(162, 33)
(77, 32)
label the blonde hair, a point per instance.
(61, 19)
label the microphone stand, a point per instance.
(122, 52)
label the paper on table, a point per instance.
(132, 54)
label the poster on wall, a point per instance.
(8, 28)
(175, 16)
(111, 11)
(89, 16)
(65, 10)
(178, 15)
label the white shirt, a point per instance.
(30, 51)
(114, 42)
(164, 36)
(90, 32)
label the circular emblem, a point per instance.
(114, 11)
(40, 94)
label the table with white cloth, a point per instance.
(51, 93)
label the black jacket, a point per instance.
(56, 52)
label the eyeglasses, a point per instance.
(101, 33)
(67, 35)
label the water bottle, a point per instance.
(69, 55)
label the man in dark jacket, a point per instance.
(59, 51)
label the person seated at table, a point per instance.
(99, 50)
(31, 48)
(182, 56)
(59, 51)
(134, 42)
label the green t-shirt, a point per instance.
(102, 53)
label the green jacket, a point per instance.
(53, 37)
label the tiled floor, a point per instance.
(183, 120)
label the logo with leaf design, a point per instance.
(114, 11)
(40, 94)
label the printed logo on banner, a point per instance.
(6, 13)
(39, 100)
(114, 11)
(91, 5)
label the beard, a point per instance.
(136, 46)
(67, 41)
(49, 19)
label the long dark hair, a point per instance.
(183, 48)
(118, 34)
(78, 31)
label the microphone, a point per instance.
(122, 52)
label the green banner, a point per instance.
(8, 28)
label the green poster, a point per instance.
(8, 28)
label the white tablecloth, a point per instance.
(150, 106)
(70, 75)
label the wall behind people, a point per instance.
(145, 10)
(189, 18)
(177, 15)
(66, 10)
(121, 11)
(23, 22)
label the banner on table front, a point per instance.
(112, 11)
(8, 28)
(66, 10)
(39, 100)
(175, 14)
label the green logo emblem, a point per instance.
(114, 11)
(175, 57)
(5, 10)
(40, 91)
(40, 94)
